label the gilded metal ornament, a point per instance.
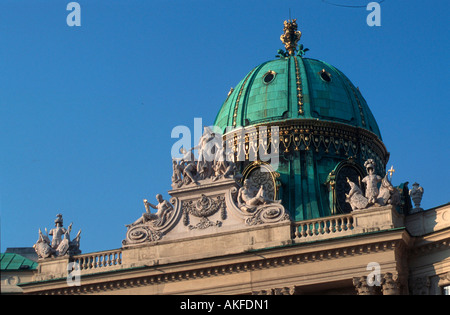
(290, 36)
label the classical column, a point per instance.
(362, 287)
(390, 284)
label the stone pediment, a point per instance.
(202, 210)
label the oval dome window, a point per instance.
(269, 76)
(324, 75)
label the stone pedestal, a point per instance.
(52, 268)
(376, 219)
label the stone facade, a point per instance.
(409, 255)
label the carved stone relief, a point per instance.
(258, 178)
(203, 208)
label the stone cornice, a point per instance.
(229, 264)
(427, 244)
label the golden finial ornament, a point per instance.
(391, 171)
(290, 36)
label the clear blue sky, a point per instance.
(86, 113)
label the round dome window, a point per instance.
(269, 76)
(324, 75)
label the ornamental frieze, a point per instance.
(250, 143)
(203, 208)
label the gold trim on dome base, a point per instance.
(304, 135)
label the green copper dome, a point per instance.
(311, 117)
(295, 88)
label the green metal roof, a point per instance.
(11, 261)
(291, 91)
(297, 91)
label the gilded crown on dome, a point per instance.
(290, 36)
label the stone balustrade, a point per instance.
(357, 222)
(99, 261)
(322, 228)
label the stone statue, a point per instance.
(416, 194)
(164, 210)
(212, 163)
(206, 147)
(205, 166)
(371, 181)
(223, 167)
(385, 195)
(177, 169)
(43, 246)
(355, 197)
(58, 246)
(57, 232)
(388, 194)
(150, 226)
(186, 166)
(248, 199)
